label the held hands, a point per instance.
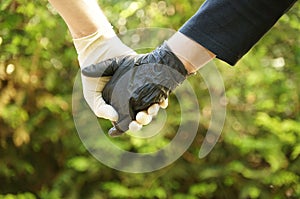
(93, 49)
(138, 83)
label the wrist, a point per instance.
(188, 65)
(192, 55)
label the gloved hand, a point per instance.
(138, 81)
(93, 49)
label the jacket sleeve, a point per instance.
(229, 28)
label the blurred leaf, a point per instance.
(4, 4)
(79, 163)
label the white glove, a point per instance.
(93, 49)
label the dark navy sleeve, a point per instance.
(229, 28)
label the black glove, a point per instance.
(137, 82)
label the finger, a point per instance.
(101, 69)
(103, 110)
(115, 132)
(153, 109)
(164, 104)
(143, 118)
(135, 126)
(107, 112)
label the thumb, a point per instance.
(103, 110)
(101, 69)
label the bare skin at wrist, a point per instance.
(188, 66)
(191, 54)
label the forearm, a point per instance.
(230, 28)
(83, 17)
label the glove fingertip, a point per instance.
(114, 132)
(143, 118)
(135, 126)
(153, 109)
(101, 69)
(107, 112)
(164, 104)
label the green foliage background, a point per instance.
(41, 155)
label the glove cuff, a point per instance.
(172, 60)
